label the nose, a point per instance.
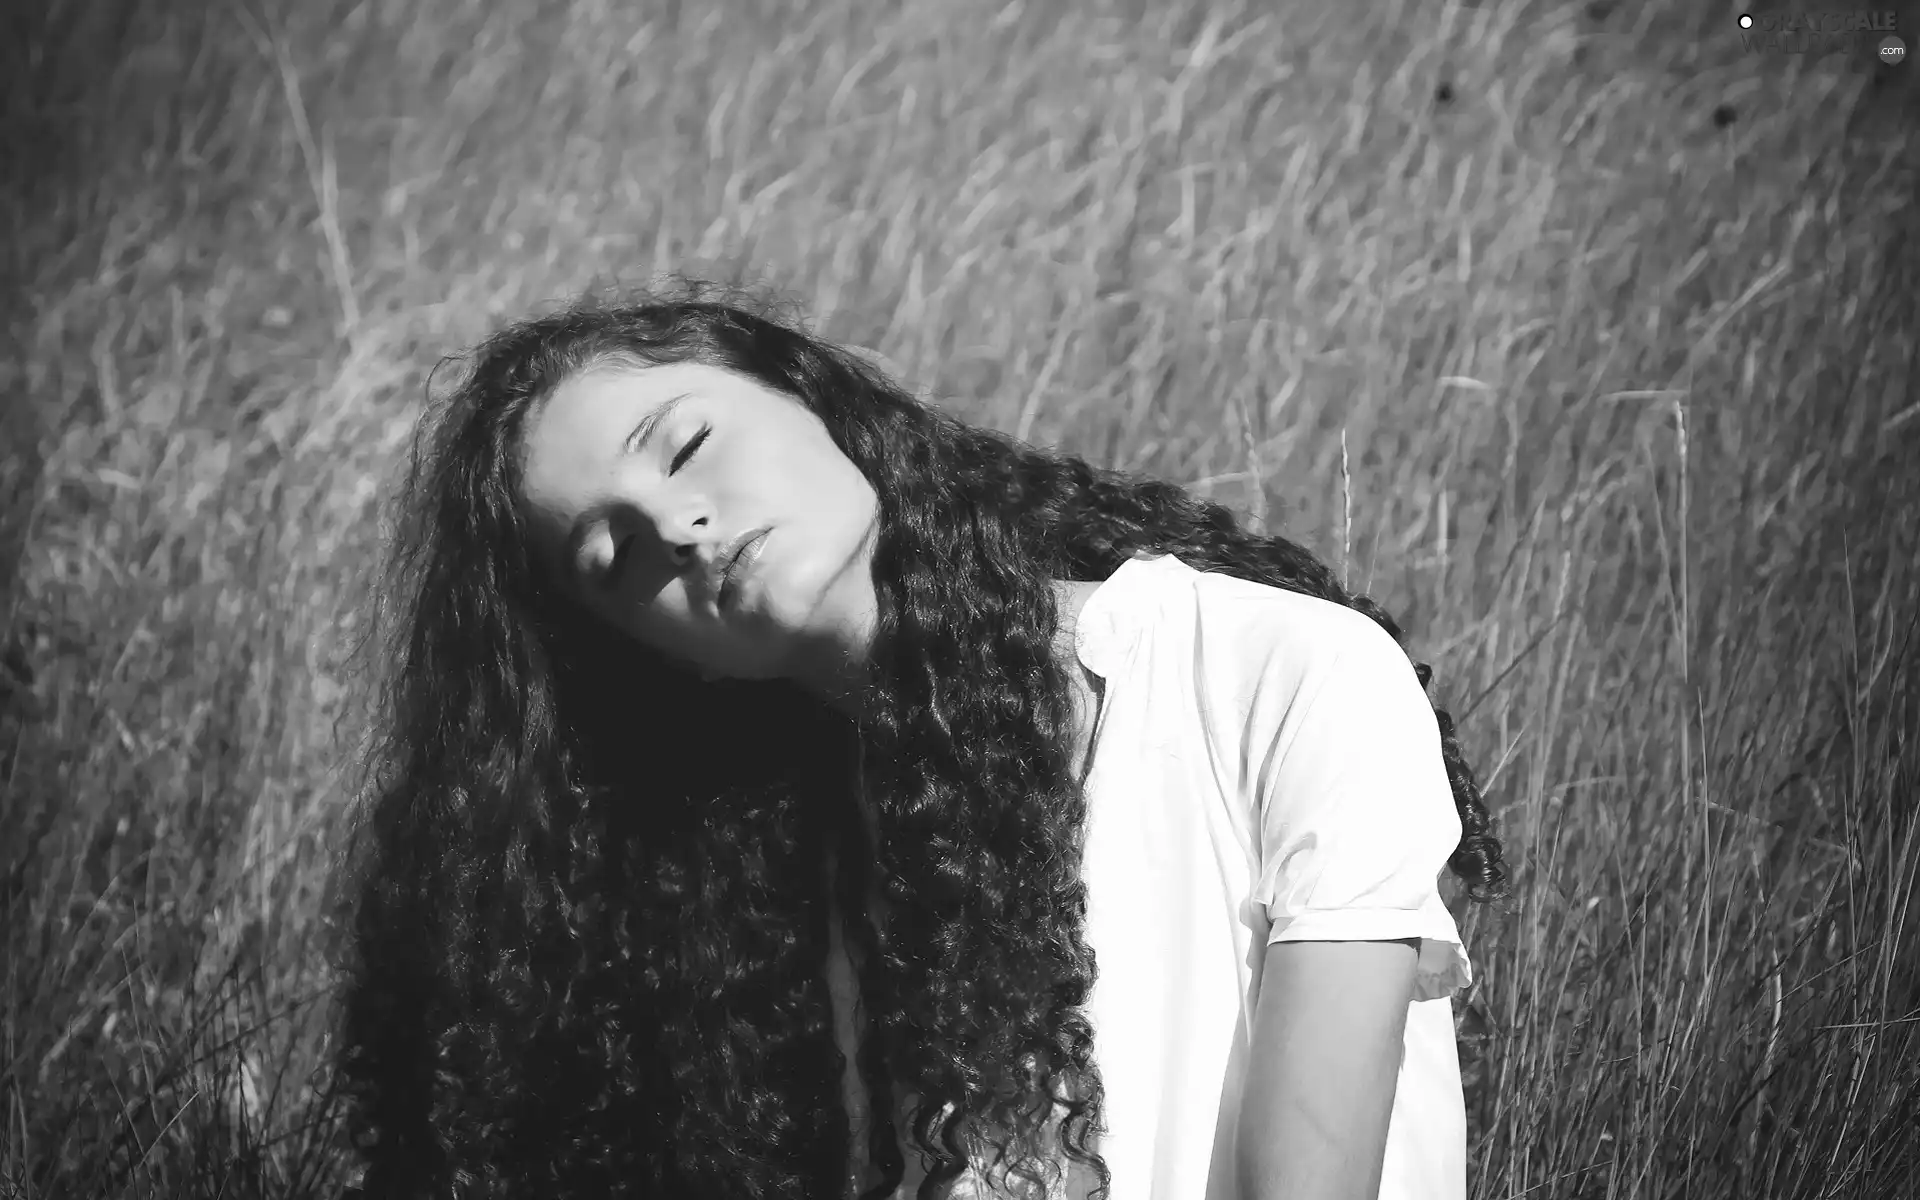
(686, 531)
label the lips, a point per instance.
(732, 558)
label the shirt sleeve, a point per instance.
(1356, 815)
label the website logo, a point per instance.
(1815, 33)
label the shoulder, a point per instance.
(1329, 626)
(1242, 626)
(1221, 641)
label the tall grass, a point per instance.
(1612, 399)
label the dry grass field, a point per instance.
(1579, 337)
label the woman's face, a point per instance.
(705, 515)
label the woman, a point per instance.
(766, 749)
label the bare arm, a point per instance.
(1328, 1031)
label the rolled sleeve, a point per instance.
(1356, 815)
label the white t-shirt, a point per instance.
(1265, 768)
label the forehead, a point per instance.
(589, 403)
(574, 438)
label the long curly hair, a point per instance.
(589, 893)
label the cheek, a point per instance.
(846, 489)
(864, 504)
(818, 481)
(843, 506)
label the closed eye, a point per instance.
(690, 449)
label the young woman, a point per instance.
(766, 750)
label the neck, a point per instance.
(837, 675)
(842, 687)
(833, 670)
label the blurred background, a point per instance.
(1583, 337)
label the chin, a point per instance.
(751, 673)
(750, 665)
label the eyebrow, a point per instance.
(636, 441)
(643, 432)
